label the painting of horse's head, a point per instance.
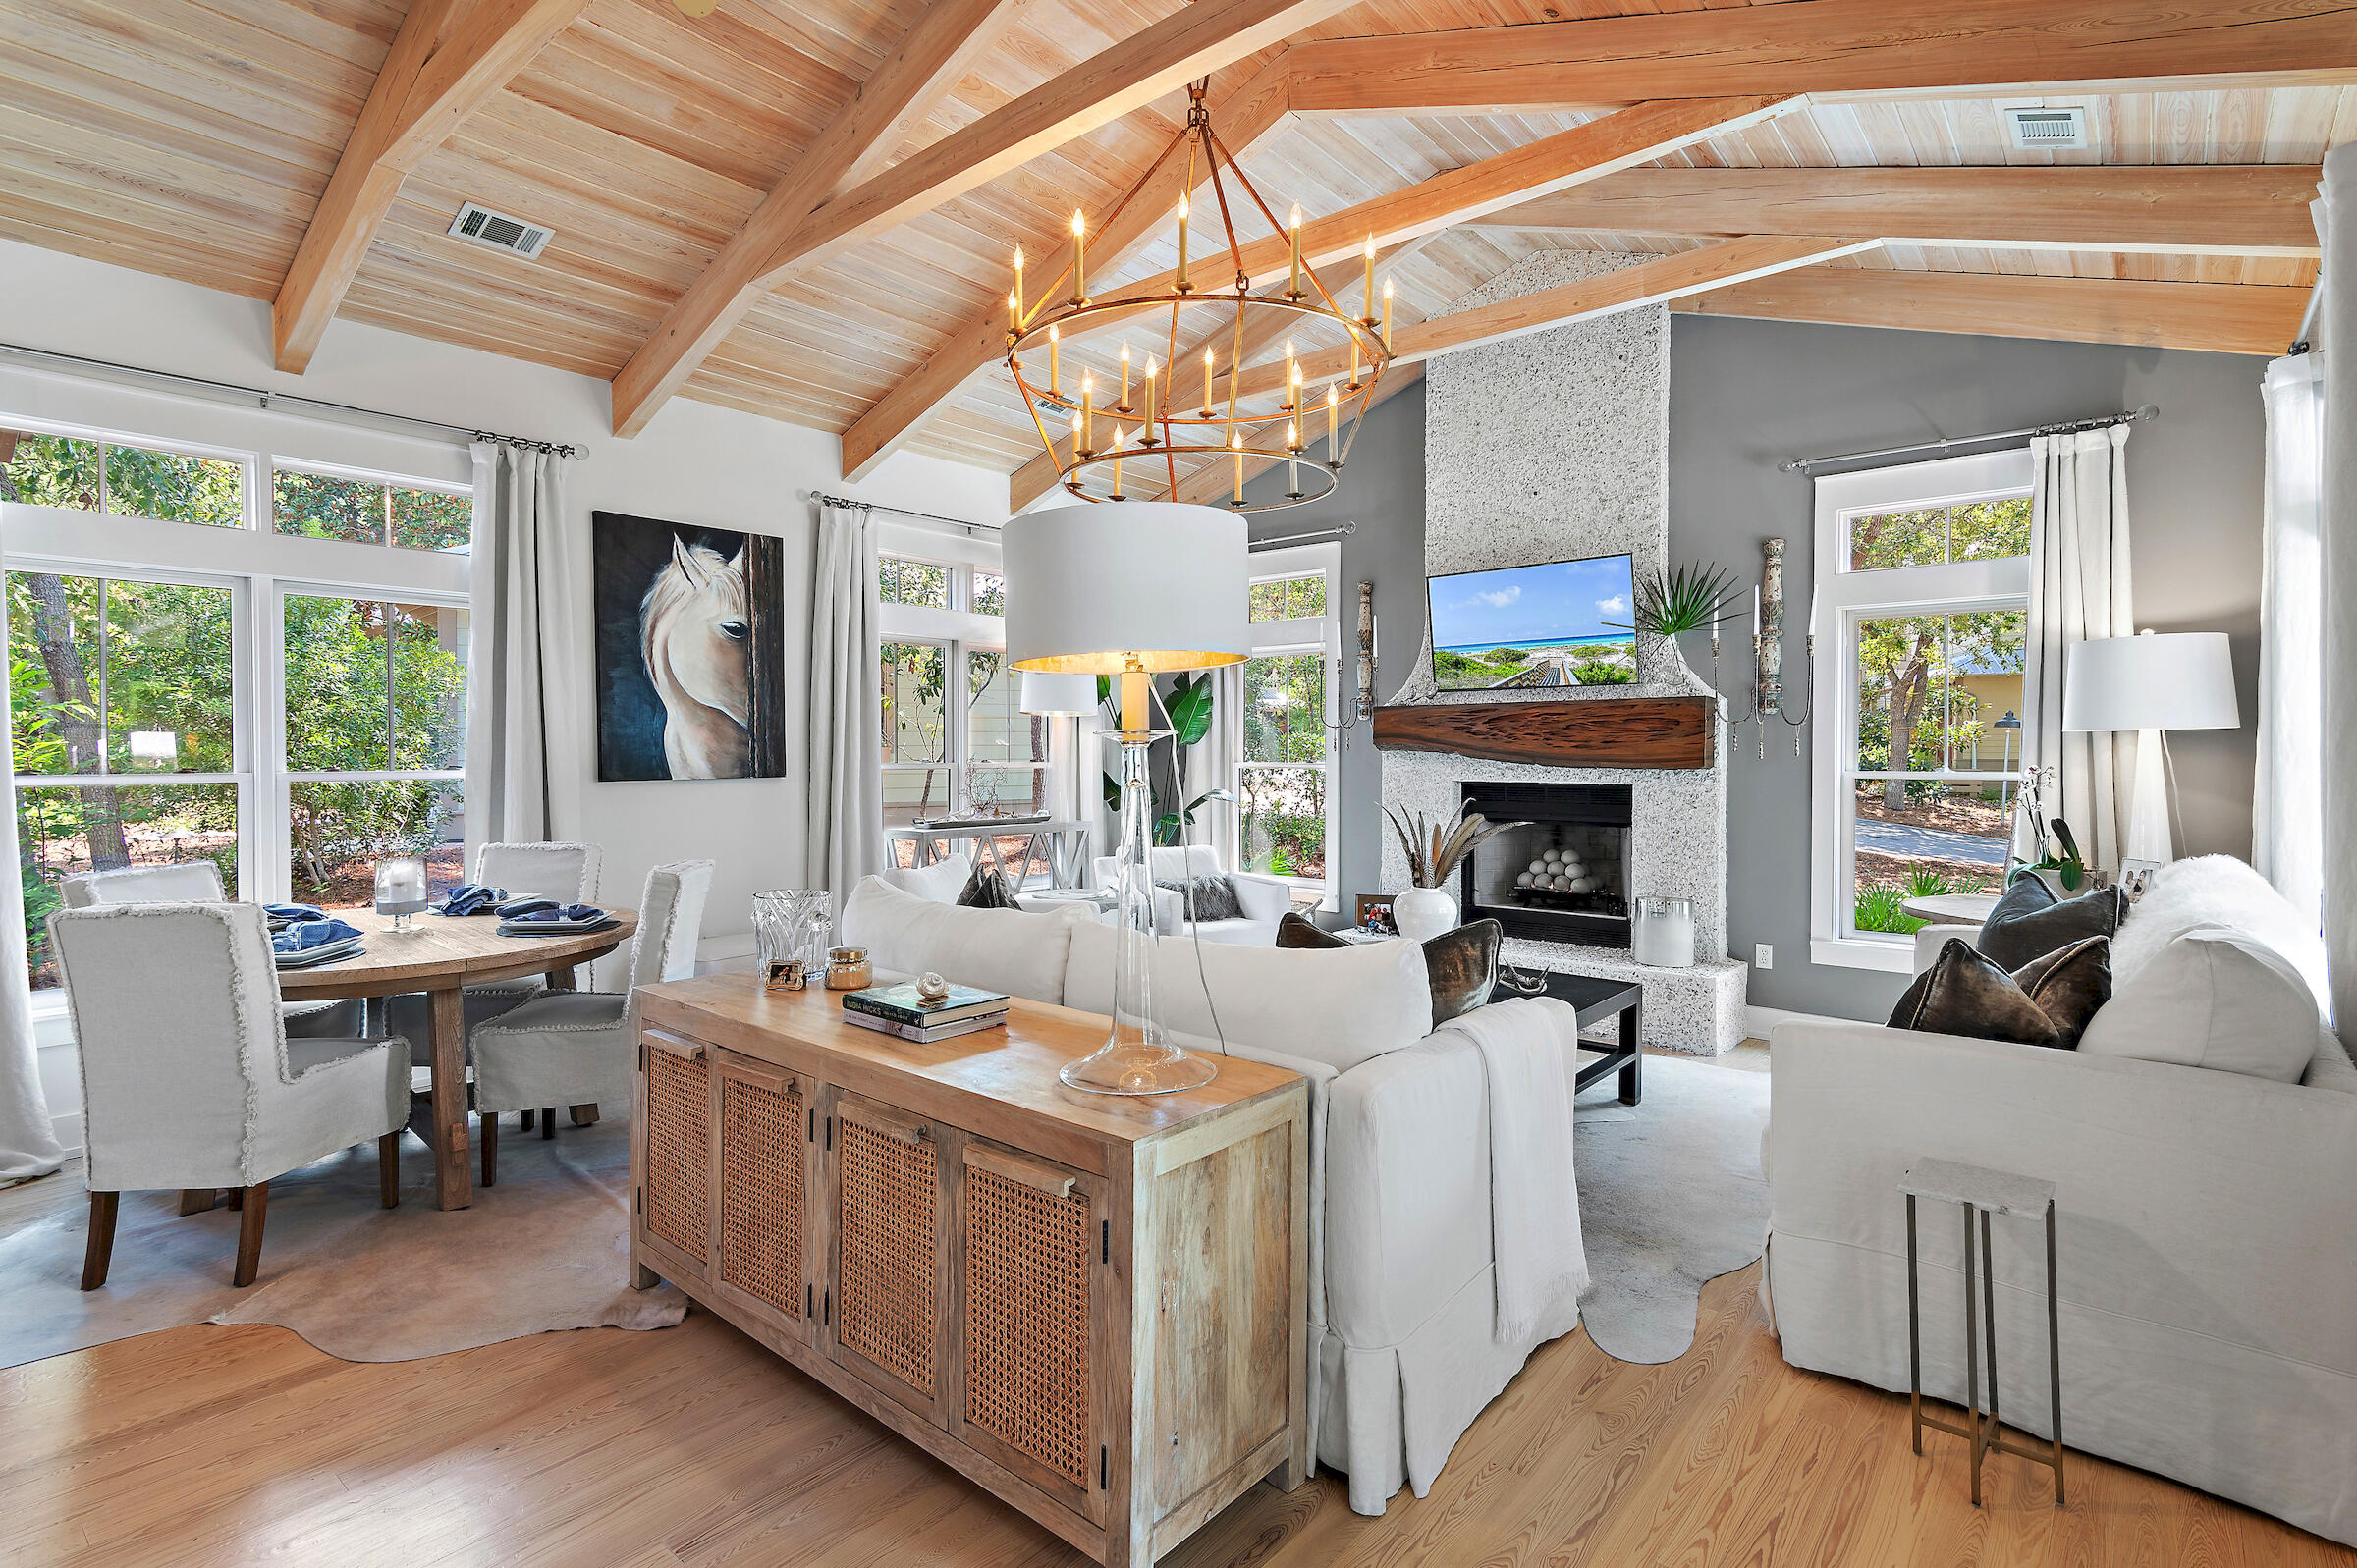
(689, 650)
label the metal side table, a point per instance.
(1983, 1191)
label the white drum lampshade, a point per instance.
(2151, 683)
(1057, 696)
(1129, 589)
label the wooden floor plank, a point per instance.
(693, 1448)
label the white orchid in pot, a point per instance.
(1434, 850)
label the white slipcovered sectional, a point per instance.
(2208, 1244)
(1404, 1351)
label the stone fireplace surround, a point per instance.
(1551, 447)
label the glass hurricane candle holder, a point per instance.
(400, 888)
(791, 928)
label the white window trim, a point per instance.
(253, 562)
(1843, 598)
(1319, 634)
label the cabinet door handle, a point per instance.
(1039, 1178)
(892, 1125)
(777, 1083)
(691, 1050)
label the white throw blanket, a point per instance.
(1530, 1048)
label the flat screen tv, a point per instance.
(1546, 625)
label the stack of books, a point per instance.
(902, 1010)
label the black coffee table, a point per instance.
(1596, 1000)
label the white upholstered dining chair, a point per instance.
(187, 1077)
(199, 881)
(567, 1047)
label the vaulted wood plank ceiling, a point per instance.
(196, 138)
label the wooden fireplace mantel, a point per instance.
(1600, 733)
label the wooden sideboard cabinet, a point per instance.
(1096, 1308)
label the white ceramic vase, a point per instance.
(1422, 912)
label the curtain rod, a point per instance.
(2067, 427)
(1340, 530)
(266, 399)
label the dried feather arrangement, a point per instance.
(1434, 848)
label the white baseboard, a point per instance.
(68, 1129)
(1758, 1020)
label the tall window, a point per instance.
(956, 739)
(1921, 704)
(1285, 762)
(240, 700)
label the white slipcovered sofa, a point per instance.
(1263, 899)
(1402, 1305)
(2207, 1243)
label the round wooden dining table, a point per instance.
(442, 956)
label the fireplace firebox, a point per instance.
(1562, 874)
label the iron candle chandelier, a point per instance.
(1153, 418)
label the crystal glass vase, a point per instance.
(791, 926)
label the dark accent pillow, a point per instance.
(1463, 963)
(1215, 898)
(2048, 1002)
(987, 888)
(2029, 921)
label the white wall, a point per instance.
(696, 463)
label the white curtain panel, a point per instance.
(2287, 813)
(29, 1145)
(2079, 588)
(2336, 338)
(845, 816)
(521, 584)
(1211, 764)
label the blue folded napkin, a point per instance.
(284, 913)
(305, 935)
(568, 914)
(471, 899)
(517, 908)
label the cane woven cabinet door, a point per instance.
(890, 1241)
(675, 1195)
(1032, 1241)
(767, 1120)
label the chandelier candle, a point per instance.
(1018, 295)
(1207, 383)
(1333, 419)
(1370, 279)
(1080, 257)
(1055, 364)
(1182, 285)
(1124, 404)
(1146, 436)
(1117, 465)
(1088, 413)
(1386, 316)
(1236, 445)
(1294, 292)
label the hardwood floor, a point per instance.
(691, 1446)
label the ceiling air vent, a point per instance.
(500, 231)
(2046, 129)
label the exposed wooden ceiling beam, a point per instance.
(2217, 317)
(1190, 42)
(1833, 50)
(932, 55)
(2250, 209)
(445, 61)
(1241, 117)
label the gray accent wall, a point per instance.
(1382, 491)
(1746, 395)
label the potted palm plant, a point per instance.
(1435, 849)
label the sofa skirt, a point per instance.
(1390, 1416)
(2244, 1423)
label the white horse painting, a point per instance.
(696, 639)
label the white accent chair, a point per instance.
(199, 881)
(187, 1077)
(1264, 900)
(574, 1047)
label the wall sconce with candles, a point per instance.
(1362, 706)
(1768, 654)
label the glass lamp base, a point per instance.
(1136, 1069)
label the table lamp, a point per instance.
(1129, 589)
(2151, 684)
(1047, 695)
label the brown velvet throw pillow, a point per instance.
(2046, 1002)
(1463, 963)
(2030, 922)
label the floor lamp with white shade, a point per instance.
(1046, 695)
(2151, 683)
(1129, 589)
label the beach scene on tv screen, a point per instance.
(1534, 627)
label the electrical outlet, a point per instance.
(1763, 956)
